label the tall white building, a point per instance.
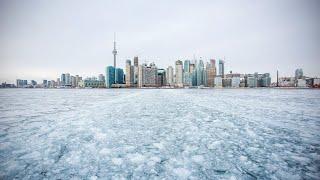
(169, 76)
(179, 73)
(129, 74)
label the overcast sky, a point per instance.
(44, 38)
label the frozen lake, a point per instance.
(156, 134)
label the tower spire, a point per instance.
(114, 52)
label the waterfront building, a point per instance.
(58, 82)
(5, 85)
(200, 73)
(299, 73)
(33, 82)
(136, 70)
(179, 74)
(161, 79)
(251, 81)
(68, 79)
(119, 76)
(45, 83)
(170, 76)
(147, 75)
(73, 81)
(186, 66)
(235, 82)
(21, 83)
(301, 83)
(110, 76)
(101, 77)
(264, 80)
(211, 73)
(129, 73)
(286, 81)
(92, 82)
(192, 67)
(218, 82)
(221, 68)
(63, 79)
(226, 82)
(78, 79)
(187, 79)
(316, 82)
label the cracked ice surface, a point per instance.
(156, 134)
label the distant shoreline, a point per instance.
(282, 88)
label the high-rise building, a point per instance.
(110, 76)
(170, 76)
(67, 79)
(221, 68)
(119, 76)
(200, 73)
(179, 74)
(21, 83)
(33, 82)
(129, 73)
(192, 67)
(45, 83)
(148, 75)
(211, 73)
(186, 66)
(187, 79)
(135, 69)
(63, 79)
(101, 77)
(73, 81)
(78, 79)
(299, 73)
(187, 75)
(58, 82)
(161, 79)
(252, 80)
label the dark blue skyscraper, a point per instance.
(110, 76)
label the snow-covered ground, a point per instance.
(159, 133)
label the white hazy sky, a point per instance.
(40, 39)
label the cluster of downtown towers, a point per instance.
(186, 74)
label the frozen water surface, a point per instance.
(159, 134)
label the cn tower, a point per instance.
(114, 52)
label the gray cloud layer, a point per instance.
(41, 39)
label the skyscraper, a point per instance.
(136, 70)
(211, 72)
(148, 75)
(161, 79)
(129, 73)
(110, 76)
(200, 73)
(221, 68)
(170, 76)
(186, 66)
(119, 76)
(179, 74)
(63, 80)
(299, 73)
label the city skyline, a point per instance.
(40, 40)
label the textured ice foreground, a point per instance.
(156, 134)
